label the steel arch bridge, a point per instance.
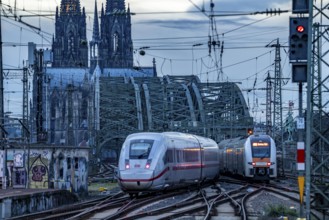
(170, 103)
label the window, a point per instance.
(191, 154)
(115, 42)
(140, 149)
(261, 151)
(70, 42)
(76, 163)
(69, 163)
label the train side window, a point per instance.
(179, 156)
(191, 155)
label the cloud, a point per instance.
(175, 24)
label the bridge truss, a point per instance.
(169, 103)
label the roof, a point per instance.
(63, 76)
(135, 72)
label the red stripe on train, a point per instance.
(174, 168)
(146, 180)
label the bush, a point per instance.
(280, 210)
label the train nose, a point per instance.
(137, 180)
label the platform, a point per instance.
(15, 202)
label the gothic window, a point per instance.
(70, 42)
(115, 42)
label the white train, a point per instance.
(155, 161)
(253, 157)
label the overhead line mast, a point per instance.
(1, 80)
(268, 104)
(277, 104)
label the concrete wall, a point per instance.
(34, 202)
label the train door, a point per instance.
(169, 162)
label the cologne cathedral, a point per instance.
(65, 107)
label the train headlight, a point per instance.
(127, 166)
(148, 164)
(269, 163)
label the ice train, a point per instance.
(151, 161)
(253, 157)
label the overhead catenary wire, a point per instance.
(176, 46)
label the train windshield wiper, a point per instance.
(264, 155)
(142, 155)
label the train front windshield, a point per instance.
(260, 149)
(140, 149)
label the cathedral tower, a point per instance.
(115, 48)
(70, 46)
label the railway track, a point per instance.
(185, 202)
(227, 198)
(67, 212)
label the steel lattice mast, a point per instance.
(317, 137)
(268, 105)
(277, 104)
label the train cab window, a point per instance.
(260, 149)
(140, 149)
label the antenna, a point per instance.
(15, 15)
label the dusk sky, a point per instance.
(175, 33)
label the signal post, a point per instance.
(298, 57)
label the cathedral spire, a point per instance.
(96, 25)
(115, 6)
(102, 11)
(70, 7)
(128, 15)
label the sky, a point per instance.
(176, 34)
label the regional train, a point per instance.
(253, 157)
(151, 161)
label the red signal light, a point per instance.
(300, 28)
(250, 131)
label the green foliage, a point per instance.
(280, 210)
